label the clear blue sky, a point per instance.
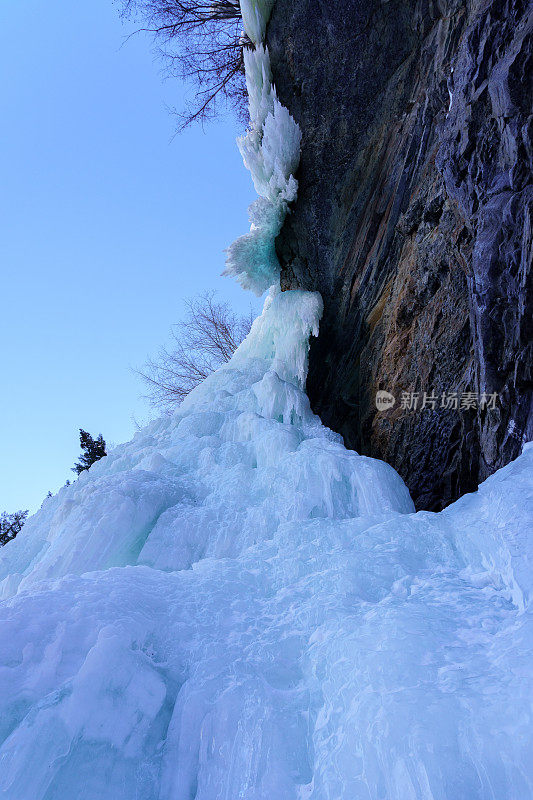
(106, 224)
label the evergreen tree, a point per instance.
(93, 450)
(10, 525)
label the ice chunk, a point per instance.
(108, 519)
(259, 86)
(252, 258)
(273, 156)
(255, 15)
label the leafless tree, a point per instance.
(202, 40)
(206, 338)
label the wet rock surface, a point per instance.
(413, 220)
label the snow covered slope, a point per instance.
(232, 605)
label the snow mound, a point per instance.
(232, 605)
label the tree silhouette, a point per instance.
(93, 450)
(202, 41)
(11, 525)
(206, 338)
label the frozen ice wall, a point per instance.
(271, 151)
(232, 605)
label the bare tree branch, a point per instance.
(205, 339)
(202, 41)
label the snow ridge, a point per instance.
(271, 151)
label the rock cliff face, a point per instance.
(414, 221)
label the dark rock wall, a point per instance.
(413, 220)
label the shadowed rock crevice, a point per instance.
(413, 220)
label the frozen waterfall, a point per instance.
(232, 605)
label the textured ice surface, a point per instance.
(255, 15)
(232, 605)
(271, 151)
